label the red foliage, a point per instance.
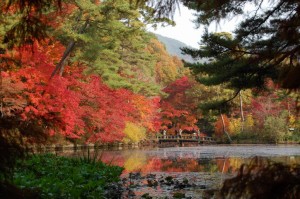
(270, 104)
(178, 86)
(105, 110)
(75, 104)
(177, 108)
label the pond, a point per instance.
(163, 172)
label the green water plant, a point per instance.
(90, 157)
(61, 177)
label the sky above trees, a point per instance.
(186, 31)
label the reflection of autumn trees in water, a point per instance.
(117, 159)
(175, 165)
(228, 165)
(233, 164)
(135, 162)
(139, 162)
(154, 164)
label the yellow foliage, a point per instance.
(292, 121)
(249, 122)
(134, 133)
(235, 126)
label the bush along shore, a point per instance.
(49, 176)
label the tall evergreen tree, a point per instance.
(265, 44)
(110, 38)
(266, 41)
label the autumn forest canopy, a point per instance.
(89, 72)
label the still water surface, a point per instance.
(205, 167)
(197, 159)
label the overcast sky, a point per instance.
(185, 31)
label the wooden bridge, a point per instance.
(185, 140)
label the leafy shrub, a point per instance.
(61, 177)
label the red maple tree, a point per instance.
(177, 108)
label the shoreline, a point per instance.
(124, 146)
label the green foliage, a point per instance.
(250, 138)
(90, 158)
(226, 67)
(60, 177)
(275, 127)
(215, 99)
(264, 46)
(273, 130)
(293, 136)
(110, 38)
(265, 43)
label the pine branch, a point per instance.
(265, 19)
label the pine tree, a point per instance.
(265, 45)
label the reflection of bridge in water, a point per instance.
(184, 140)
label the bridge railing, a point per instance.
(184, 137)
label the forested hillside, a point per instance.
(174, 46)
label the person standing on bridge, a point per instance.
(165, 134)
(195, 136)
(180, 133)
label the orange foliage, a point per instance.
(146, 114)
(219, 131)
(167, 68)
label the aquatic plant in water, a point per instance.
(61, 177)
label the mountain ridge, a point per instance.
(173, 47)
